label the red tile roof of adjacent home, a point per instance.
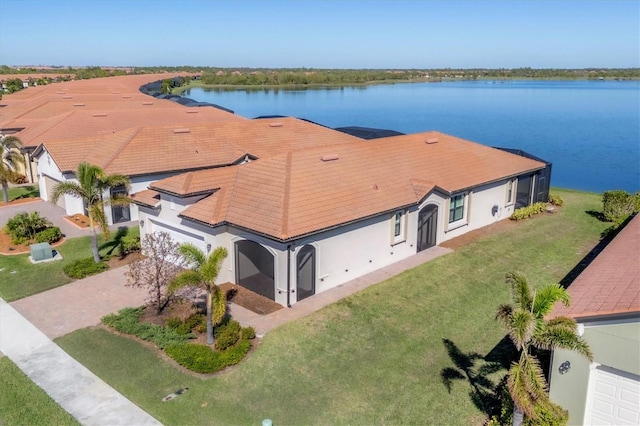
(302, 192)
(190, 146)
(611, 283)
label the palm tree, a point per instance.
(91, 185)
(10, 159)
(203, 273)
(525, 323)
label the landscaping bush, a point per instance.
(24, 226)
(236, 353)
(186, 326)
(227, 335)
(555, 200)
(129, 244)
(84, 267)
(198, 358)
(126, 321)
(248, 333)
(618, 205)
(49, 235)
(528, 211)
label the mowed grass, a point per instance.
(20, 278)
(22, 402)
(376, 357)
(17, 192)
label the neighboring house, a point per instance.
(605, 301)
(148, 154)
(304, 221)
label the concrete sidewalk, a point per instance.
(264, 323)
(86, 397)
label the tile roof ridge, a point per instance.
(220, 193)
(122, 146)
(285, 199)
(36, 106)
(187, 181)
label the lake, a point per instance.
(589, 130)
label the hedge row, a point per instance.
(526, 212)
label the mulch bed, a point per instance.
(250, 300)
(7, 247)
(80, 220)
(19, 201)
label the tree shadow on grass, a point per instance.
(31, 192)
(475, 369)
(116, 242)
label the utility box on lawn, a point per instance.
(41, 251)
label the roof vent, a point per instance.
(147, 103)
(115, 93)
(182, 130)
(126, 96)
(60, 93)
(100, 114)
(329, 157)
(276, 124)
(79, 104)
(67, 97)
(192, 111)
(431, 141)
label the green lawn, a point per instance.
(20, 278)
(23, 192)
(22, 402)
(376, 357)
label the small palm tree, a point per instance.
(91, 185)
(10, 159)
(525, 323)
(203, 273)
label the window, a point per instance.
(510, 195)
(398, 227)
(456, 208)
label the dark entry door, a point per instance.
(306, 277)
(427, 227)
(120, 213)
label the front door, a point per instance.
(120, 213)
(306, 276)
(427, 227)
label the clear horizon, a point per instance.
(322, 34)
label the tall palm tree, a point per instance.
(525, 323)
(91, 185)
(10, 159)
(203, 273)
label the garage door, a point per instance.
(49, 184)
(614, 398)
(179, 235)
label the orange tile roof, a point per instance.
(147, 150)
(147, 197)
(302, 192)
(611, 283)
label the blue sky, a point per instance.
(322, 34)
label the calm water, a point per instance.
(589, 130)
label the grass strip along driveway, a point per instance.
(377, 357)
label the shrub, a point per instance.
(185, 327)
(528, 211)
(129, 244)
(84, 267)
(236, 353)
(24, 226)
(248, 333)
(227, 335)
(49, 235)
(198, 358)
(548, 413)
(618, 205)
(126, 321)
(555, 200)
(174, 322)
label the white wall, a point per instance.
(347, 252)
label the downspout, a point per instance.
(289, 276)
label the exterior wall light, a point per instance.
(564, 367)
(142, 224)
(208, 248)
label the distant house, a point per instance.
(605, 301)
(307, 220)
